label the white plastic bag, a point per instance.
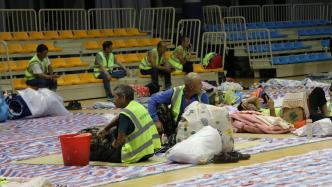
(198, 115)
(198, 148)
(319, 128)
(43, 102)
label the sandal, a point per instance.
(239, 155)
(225, 158)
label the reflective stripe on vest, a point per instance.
(175, 62)
(207, 58)
(177, 100)
(43, 66)
(108, 65)
(145, 64)
(145, 138)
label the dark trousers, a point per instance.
(107, 85)
(154, 72)
(101, 149)
(43, 83)
(188, 67)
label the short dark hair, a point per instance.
(183, 38)
(124, 90)
(41, 48)
(107, 44)
(159, 44)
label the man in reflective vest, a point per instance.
(39, 73)
(135, 137)
(104, 65)
(154, 64)
(179, 59)
(179, 98)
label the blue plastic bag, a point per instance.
(4, 111)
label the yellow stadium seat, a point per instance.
(20, 36)
(61, 81)
(145, 41)
(58, 63)
(133, 43)
(15, 48)
(2, 49)
(6, 36)
(3, 67)
(65, 35)
(13, 66)
(141, 56)
(22, 65)
(155, 41)
(120, 58)
(91, 45)
(80, 34)
(177, 72)
(29, 48)
(119, 44)
(107, 32)
(50, 35)
(131, 58)
(94, 33)
(75, 62)
(19, 84)
(89, 78)
(198, 68)
(135, 32)
(52, 48)
(120, 32)
(36, 35)
(72, 79)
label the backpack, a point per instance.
(212, 61)
(118, 73)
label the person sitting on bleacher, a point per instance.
(104, 65)
(179, 98)
(39, 73)
(179, 58)
(130, 137)
(154, 64)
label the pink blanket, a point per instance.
(248, 121)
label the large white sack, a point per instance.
(198, 115)
(43, 102)
(319, 128)
(198, 148)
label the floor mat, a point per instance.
(310, 169)
(37, 128)
(269, 144)
(85, 176)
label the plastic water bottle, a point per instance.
(309, 129)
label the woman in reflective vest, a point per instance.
(179, 58)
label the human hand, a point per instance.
(101, 133)
(159, 126)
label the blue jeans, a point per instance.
(107, 85)
(43, 83)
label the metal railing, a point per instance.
(190, 28)
(213, 14)
(104, 18)
(274, 13)
(18, 20)
(214, 42)
(159, 22)
(309, 11)
(251, 13)
(62, 19)
(236, 32)
(259, 47)
(6, 76)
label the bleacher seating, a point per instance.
(285, 46)
(317, 31)
(302, 58)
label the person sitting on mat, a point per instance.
(39, 73)
(154, 64)
(179, 98)
(131, 136)
(253, 103)
(179, 58)
(317, 104)
(104, 64)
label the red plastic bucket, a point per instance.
(75, 149)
